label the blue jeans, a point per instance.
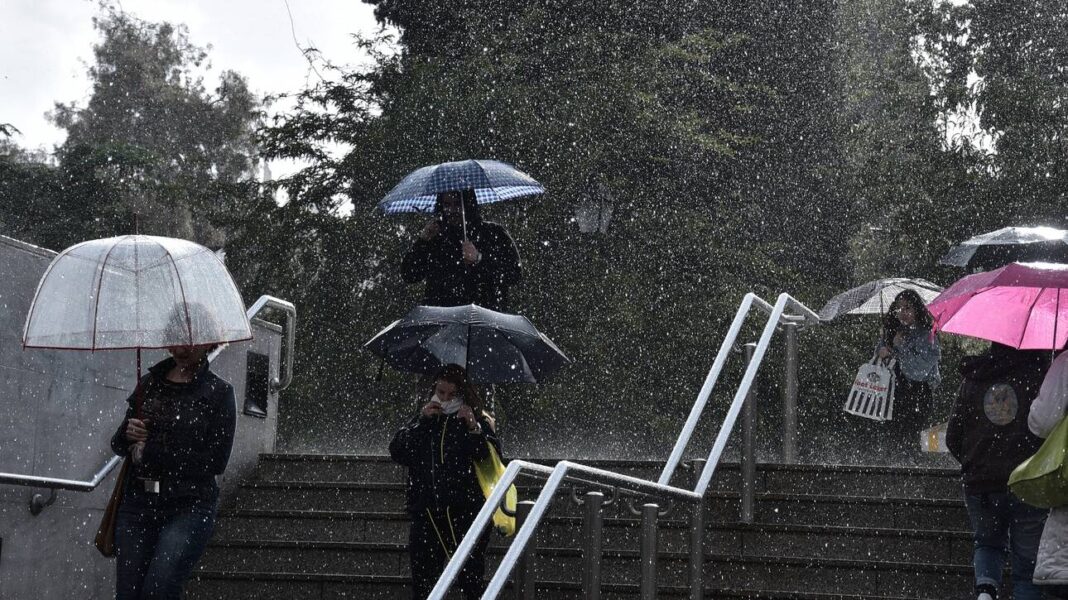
(158, 542)
(1000, 523)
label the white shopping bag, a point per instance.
(934, 439)
(872, 394)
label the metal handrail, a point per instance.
(747, 382)
(556, 476)
(776, 316)
(75, 485)
(748, 302)
(290, 333)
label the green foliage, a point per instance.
(151, 144)
(787, 146)
(666, 119)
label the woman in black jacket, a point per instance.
(438, 446)
(462, 264)
(988, 435)
(181, 441)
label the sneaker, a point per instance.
(986, 592)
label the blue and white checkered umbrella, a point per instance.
(493, 181)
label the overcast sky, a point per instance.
(45, 46)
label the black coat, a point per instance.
(438, 452)
(190, 431)
(450, 281)
(988, 431)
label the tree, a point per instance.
(666, 112)
(152, 141)
(1004, 67)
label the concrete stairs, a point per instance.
(330, 527)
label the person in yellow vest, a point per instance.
(439, 446)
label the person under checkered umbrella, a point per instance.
(463, 259)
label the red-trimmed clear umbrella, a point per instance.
(133, 292)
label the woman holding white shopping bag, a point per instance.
(908, 338)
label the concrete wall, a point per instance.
(58, 410)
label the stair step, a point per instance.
(805, 509)
(771, 478)
(222, 585)
(833, 541)
(817, 574)
(334, 526)
(212, 585)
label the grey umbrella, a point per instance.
(1009, 244)
(875, 297)
(494, 347)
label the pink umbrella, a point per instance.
(1023, 305)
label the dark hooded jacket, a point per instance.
(452, 282)
(190, 432)
(988, 431)
(438, 452)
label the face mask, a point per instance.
(451, 407)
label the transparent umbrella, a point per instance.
(874, 297)
(134, 292)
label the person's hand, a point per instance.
(137, 453)
(884, 352)
(430, 409)
(136, 430)
(898, 339)
(430, 230)
(468, 417)
(471, 254)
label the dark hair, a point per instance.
(456, 375)
(923, 316)
(472, 213)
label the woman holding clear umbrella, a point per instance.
(136, 292)
(177, 445)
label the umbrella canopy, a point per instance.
(1010, 244)
(135, 291)
(493, 181)
(494, 347)
(874, 297)
(1023, 305)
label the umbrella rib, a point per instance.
(234, 283)
(137, 308)
(99, 285)
(181, 290)
(1030, 313)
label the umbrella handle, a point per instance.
(139, 392)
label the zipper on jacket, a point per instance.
(433, 473)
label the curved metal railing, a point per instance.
(564, 469)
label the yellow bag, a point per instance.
(489, 471)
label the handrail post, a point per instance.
(789, 406)
(648, 551)
(748, 445)
(592, 545)
(697, 539)
(524, 570)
